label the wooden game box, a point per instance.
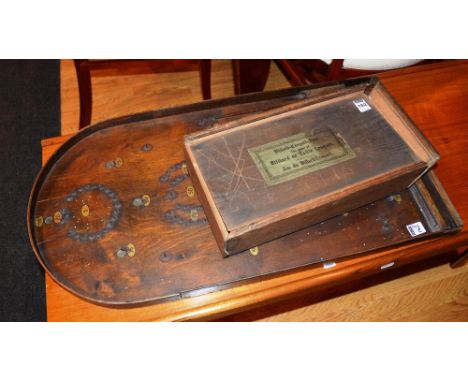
(272, 173)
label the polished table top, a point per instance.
(435, 97)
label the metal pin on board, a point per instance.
(129, 250)
(194, 215)
(254, 251)
(190, 191)
(137, 202)
(85, 210)
(118, 162)
(57, 217)
(147, 147)
(39, 221)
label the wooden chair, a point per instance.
(303, 72)
(250, 75)
(115, 67)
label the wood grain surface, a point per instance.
(111, 212)
(251, 197)
(441, 83)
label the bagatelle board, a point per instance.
(114, 217)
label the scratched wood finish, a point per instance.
(346, 157)
(110, 167)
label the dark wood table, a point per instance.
(436, 98)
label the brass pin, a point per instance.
(190, 191)
(118, 162)
(194, 215)
(39, 221)
(85, 210)
(146, 200)
(397, 198)
(131, 250)
(57, 217)
(184, 169)
(253, 251)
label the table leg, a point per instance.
(460, 260)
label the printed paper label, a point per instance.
(416, 229)
(362, 105)
(288, 158)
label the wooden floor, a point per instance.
(432, 292)
(121, 95)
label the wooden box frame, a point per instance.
(232, 240)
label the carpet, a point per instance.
(29, 112)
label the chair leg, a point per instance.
(294, 77)
(334, 71)
(250, 75)
(84, 89)
(460, 260)
(205, 78)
